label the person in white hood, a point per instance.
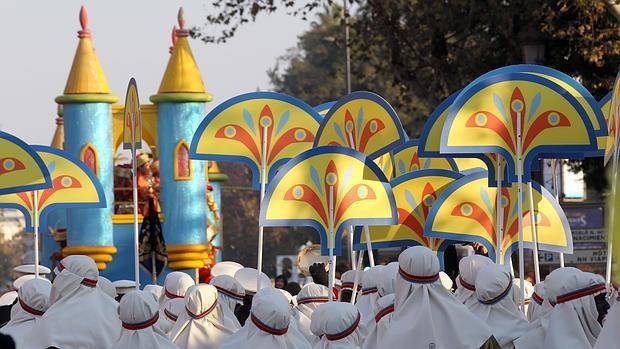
(367, 300)
(538, 297)
(465, 282)
(576, 319)
(382, 314)
(496, 307)
(347, 282)
(107, 287)
(338, 326)
(205, 323)
(32, 302)
(267, 326)
(80, 315)
(175, 286)
(308, 301)
(426, 315)
(169, 314)
(139, 312)
(229, 293)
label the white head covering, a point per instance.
(229, 291)
(175, 286)
(425, 312)
(338, 325)
(33, 302)
(293, 327)
(80, 315)
(30, 269)
(139, 312)
(203, 324)
(105, 285)
(516, 294)
(496, 307)
(465, 282)
(308, 300)
(155, 290)
(169, 313)
(247, 279)
(267, 327)
(378, 324)
(573, 322)
(387, 279)
(225, 268)
(535, 336)
(367, 300)
(538, 296)
(22, 279)
(446, 282)
(609, 338)
(124, 286)
(347, 280)
(8, 298)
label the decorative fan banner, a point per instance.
(407, 159)
(386, 165)
(483, 119)
(21, 169)
(415, 193)
(73, 185)
(363, 121)
(429, 144)
(610, 108)
(466, 211)
(235, 129)
(323, 108)
(572, 86)
(299, 194)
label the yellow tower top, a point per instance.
(182, 81)
(86, 82)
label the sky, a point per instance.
(132, 38)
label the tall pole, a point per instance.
(533, 222)
(134, 188)
(555, 182)
(332, 258)
(347, 45)
(35, 205)
(263, 183)
(499, 231)
(520, 212)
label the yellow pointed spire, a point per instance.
(86, 77)
(182, 81)
(58, 141)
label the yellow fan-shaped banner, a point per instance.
(21, 169)
(386, 165)
(324, 178)
(415, 194)
(407, 159)
(362, 121)
(466, 211)
(484, 118)
(610, 107)
(73, 185)
(254, 128)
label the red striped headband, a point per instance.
(203, 314)
(383, 312)
(467, 285)
(370, 290)
(170, 316)
(170, 294)
(500, 296)
(313, 300)
(89, 282)
(538, 299)
(349, 285)
(29, 309)
(345, 333)
(265, 328)
(142, 325)
(229, 293)
(581, 293)
(418, 279)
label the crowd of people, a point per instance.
(404, 304)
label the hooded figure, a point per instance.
(534, 338)
(32, 302)
(139, 312)
(348, 281)
(169, 314)
(609, 338)
(367, 300)
(230, 293)
(382, 313)
(516, 294)
(465, 282)
(80, 314)
(205, 323)
(308, 301)
(247, 278)
(267, 326)
(538, 296)
(426, 315)
(338, 326)
(155, 290)
(574, 321)
(105, 285)
(175, 286)
(496, 307)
